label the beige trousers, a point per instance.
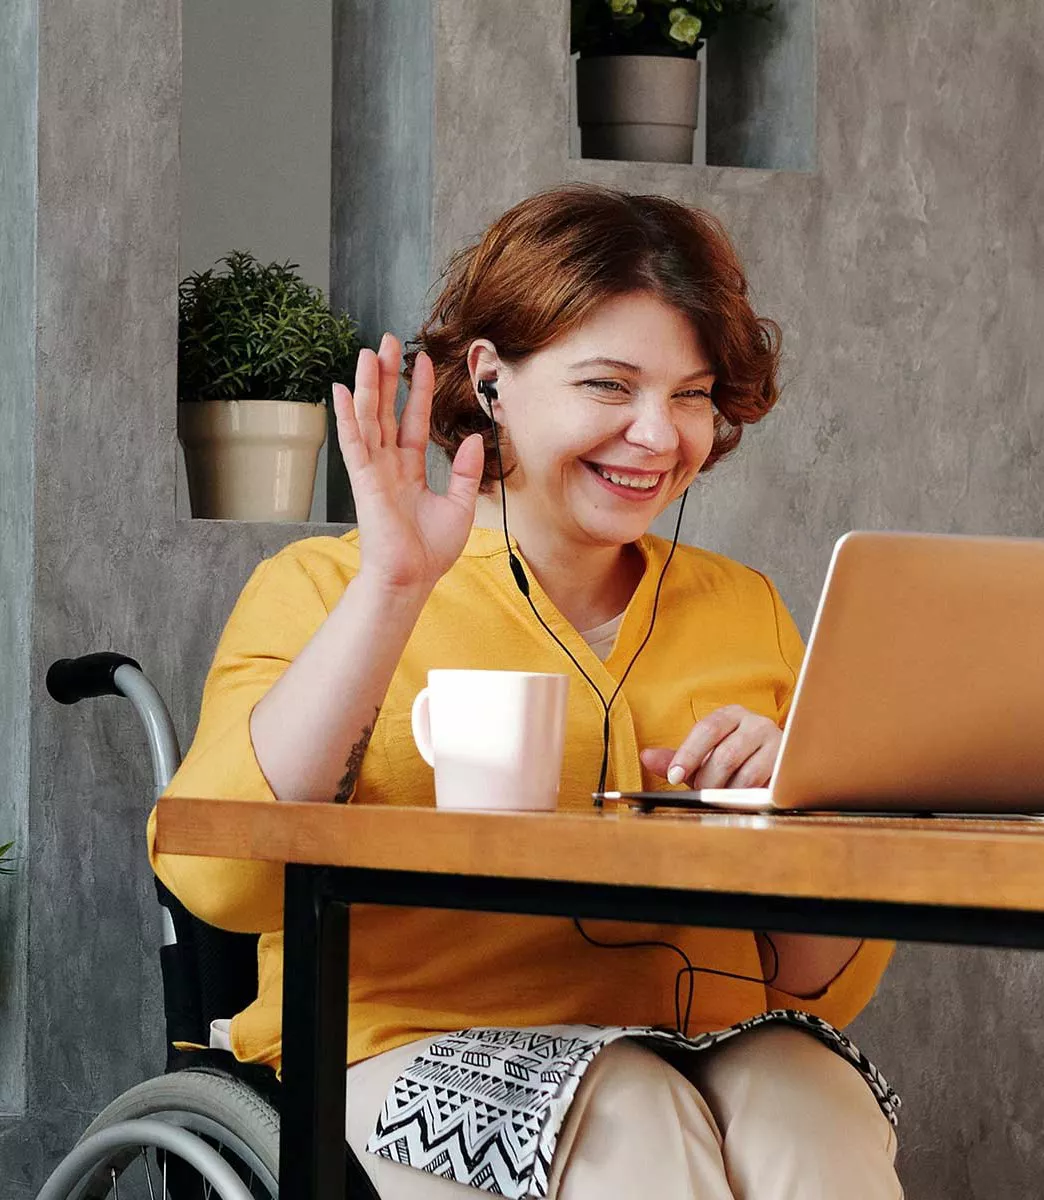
(769, 1115)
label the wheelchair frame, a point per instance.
(207, 973)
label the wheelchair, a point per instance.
(209, 1125)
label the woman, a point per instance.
(619, 358)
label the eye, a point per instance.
(608, 387)
(696, 397)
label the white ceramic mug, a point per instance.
(495, 738)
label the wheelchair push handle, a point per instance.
(70, 680)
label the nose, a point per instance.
(653, 428)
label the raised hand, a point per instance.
(409, 535)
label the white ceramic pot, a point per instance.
(251, 460)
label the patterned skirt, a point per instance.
(484, 1107)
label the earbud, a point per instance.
(487, 388)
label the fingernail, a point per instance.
(676, 773)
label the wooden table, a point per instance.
(974, 881)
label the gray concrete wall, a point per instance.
(380, 247)
(17, 427)
(255, 133)
(761, 91)
(907, 274)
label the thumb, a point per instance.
(466, 474)
(657, 759)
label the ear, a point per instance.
(483, 363)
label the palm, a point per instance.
(410, 535)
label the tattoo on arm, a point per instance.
(354, 764)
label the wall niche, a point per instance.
(757, 101)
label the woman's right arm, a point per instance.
(311, 729)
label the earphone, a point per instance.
(487, 389)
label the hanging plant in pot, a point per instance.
(637, 78)
(258, 349)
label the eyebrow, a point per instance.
(635, 370)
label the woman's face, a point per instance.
(609, 423)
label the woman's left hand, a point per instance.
(730, 747)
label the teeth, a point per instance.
(641, 483)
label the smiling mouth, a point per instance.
(636, 484)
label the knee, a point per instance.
(630, 1094)
(625, 1079)
(797, 1119)
(631, 1110)
(782, 1078)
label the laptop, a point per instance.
(922, 688)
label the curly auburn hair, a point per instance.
(543, 267)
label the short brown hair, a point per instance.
(548, 262)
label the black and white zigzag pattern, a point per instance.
(484, 1107)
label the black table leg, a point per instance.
(315, 1016)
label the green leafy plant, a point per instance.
(7, 866)
(654, 26)
(254, 332)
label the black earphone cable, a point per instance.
(488, 389)
(682, 1023)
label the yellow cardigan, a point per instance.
(722, 636)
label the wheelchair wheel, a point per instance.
(222, 1112)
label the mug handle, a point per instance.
(420, 719)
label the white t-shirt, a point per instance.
(602, 638)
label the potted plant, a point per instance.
(637, 78)
(7, 866)
(258, 349)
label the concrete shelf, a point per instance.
(249, 541)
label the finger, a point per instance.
(414, 428)
(727, 757)
(367, 398)
(703, 738)
(466, 474)
(757, 770)
(657, 759)
(389, 356)
(349, 439)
